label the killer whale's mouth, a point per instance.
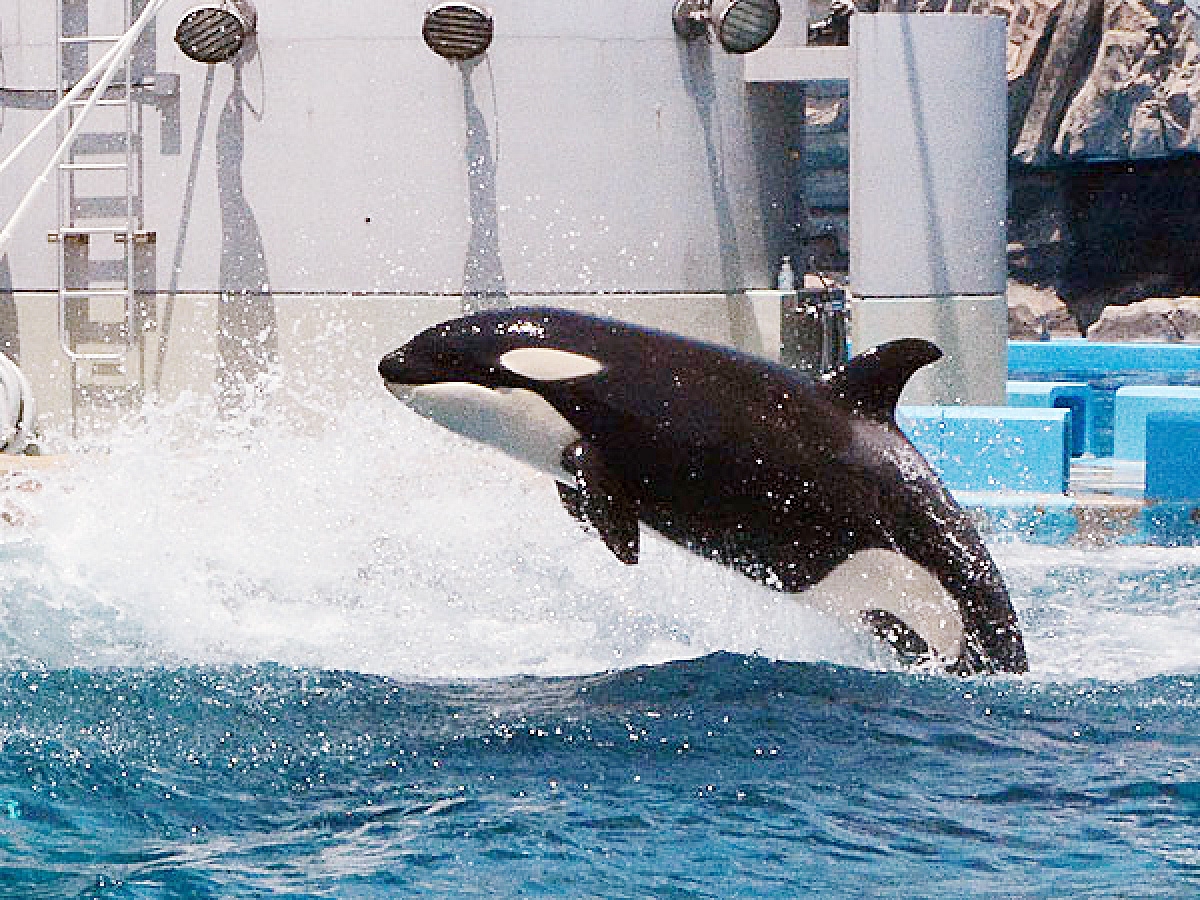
(401, 390)
(516, 421)
(899, 600)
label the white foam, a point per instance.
(371, 540)
(1116, 613)
(356, 535)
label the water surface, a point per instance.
(338, 653)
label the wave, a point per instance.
(351, 535)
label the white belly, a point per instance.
(518, 422)
(887, 580)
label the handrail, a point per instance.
(115, 58)
(80, 86)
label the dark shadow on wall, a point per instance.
(936, 240)
(700, 80)
(167, 321)
(484, 284)
(696, 63)
(247, 329)
(10, 337)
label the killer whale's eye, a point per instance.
(548, 364)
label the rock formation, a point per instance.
(1104, 99)
(1157, 319)
(1036, 314)
(1116, 80)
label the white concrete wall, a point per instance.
(590, 150)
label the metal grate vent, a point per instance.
(457, 30)
(745, 25)
(213, 34)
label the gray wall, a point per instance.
(589, 151)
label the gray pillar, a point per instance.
(793, 24)
(928, 162)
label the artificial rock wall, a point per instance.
(1105, 80)
(1104, 133)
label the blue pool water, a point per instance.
(339, 654)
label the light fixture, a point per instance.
(457, 30)
(739, 25)
(216, 32)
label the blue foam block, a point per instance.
(993, 448)
(1073, 395)
(1173, 455)
(1134, 404)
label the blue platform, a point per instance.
(990, 448)
(1083, 360)
(1073, 395)
(1104, 367)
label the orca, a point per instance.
(806, 485)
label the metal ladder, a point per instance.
(99, 213)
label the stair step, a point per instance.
(93, 167)
(94, 229)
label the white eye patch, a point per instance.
(548, 364)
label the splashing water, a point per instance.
(317, 531)
(372, 541)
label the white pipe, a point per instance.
(17, 412)
(115, 57)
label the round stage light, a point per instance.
(215, 32)
(457, 30)
(740, 26)
(745, 25)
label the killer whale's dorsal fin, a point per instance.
(870, 384)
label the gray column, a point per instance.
(928, 196)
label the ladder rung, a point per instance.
(76, 104)
(92, 167)
(91, 39)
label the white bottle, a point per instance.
(787, 277)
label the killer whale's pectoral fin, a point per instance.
(599, 500)
(572, 501)
(910, 648)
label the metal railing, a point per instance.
(98, 79)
